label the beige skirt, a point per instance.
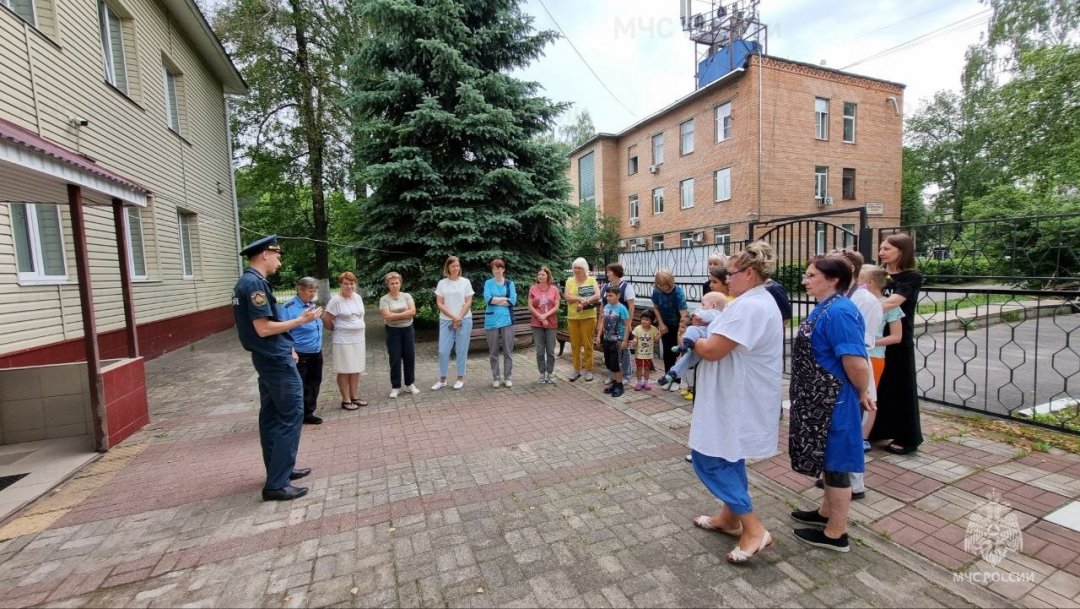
(350, 358)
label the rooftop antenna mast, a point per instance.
(717, 29)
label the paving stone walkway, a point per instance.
(539, 495)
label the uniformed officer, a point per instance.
(281, 394)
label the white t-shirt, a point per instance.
(348, 318)
(454, 293)
(870, 309)
(737, 410)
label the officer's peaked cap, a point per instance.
(257, 247)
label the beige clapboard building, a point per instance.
(117, 211)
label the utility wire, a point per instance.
(350, 246)
(961, 24)
(582, 58)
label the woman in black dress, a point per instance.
(898, 393)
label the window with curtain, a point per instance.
(686, 137)
(722, 237)
(686, 193)
(39, 242)
(172, 99)
(723, 122)
(658, 149)
(821, 118)
(22, 8)
(112, 47)
(136, 247)
(658, 201)
(187, 234)
(634, 206)
(722, 179)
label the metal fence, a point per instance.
(996, 328)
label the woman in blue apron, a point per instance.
(829, 380)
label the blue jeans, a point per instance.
(458, 341)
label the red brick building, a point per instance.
(771, 139)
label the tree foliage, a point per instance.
(451, 143)
(291, 126)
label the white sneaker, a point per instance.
(508, 383)
(551, 379)
(459, 384)
(412, 389)
(674, 387)
(438, 385)
(394, 393)
(495, 383)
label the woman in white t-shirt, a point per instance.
(737, 407)
(344, 317)
(453, 296)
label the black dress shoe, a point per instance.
(313, 420)
(299, 473)
(284, 494)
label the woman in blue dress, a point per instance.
(829, 381)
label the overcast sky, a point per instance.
(638, 48)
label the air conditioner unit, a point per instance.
(699, 237)
(622, 244)
(824, 201)
(654, 168)
(635, 222)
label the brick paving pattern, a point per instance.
(554, 496)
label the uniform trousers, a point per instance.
(281, 415)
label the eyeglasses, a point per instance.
(731, 274)
(810, 275)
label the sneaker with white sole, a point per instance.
(459, 384)
(413, 389)
(495, 383)
(675, 387)
(575, 376)
(551, 379)
(394, 393)
(588, 376)
(508, 383)
(541, 380)
(438, 385)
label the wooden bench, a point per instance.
(563, 336)
(522, 319)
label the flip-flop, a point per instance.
(360, 402)
(349, 406)
(702, 522)
(896, 449)
(739, 555)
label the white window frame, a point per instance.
(821, 182)
(722, 239)
(635, 207)
(187, 250)
(821, 118)
(686, 239)
(686, 193)
(31, 18)
(658, 242)
(658, 148)
(722, 185)
(107, 50)
(723, 122)
(130, 227)
(686, 137)
(33, 238)
(658, 200)
(850, 119)
(819, 238)
(172, 98)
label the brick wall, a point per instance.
(790, 153)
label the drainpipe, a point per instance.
(232, 182)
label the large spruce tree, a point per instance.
(449, 142)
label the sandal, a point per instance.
(896, 449)
(702, 522)
(349, 406)
(739, 555)
(359, 402)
